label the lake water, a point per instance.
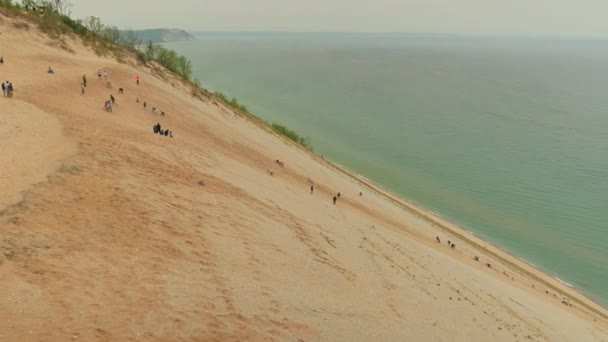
(506, 137)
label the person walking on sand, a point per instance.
(335, 199)
(98, 74)
(82, 88)
(137, 79)
(84, 81)
(312, 189)
(145, 105)
(3, 89)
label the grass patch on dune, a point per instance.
(278, 128)
(292, 135)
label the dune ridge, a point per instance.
(122, 234)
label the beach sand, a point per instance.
(109, 232)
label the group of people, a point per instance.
(336, 198)
(450, 243)
(7, 89)
(158, 130)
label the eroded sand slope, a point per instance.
(121, 242)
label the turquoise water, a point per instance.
(506, 137)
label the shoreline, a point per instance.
(509, 259)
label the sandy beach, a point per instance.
(109, 232)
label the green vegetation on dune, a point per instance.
(292, 135)
(53, 18)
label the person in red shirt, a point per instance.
(137, 79)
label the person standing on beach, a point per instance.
(137, 79)
(3, 89)
(335, 199)
(84, 81)
(82, 85)
(312, 188)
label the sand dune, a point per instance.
(111, 233)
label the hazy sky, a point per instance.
(536, 17)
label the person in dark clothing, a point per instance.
(145, 105)
(335, 199)
(84, 80)
(338, 195)
(4, 89)
(10, 89)
(112, 99)
(166, 132)
(312, 188)
(1, 60)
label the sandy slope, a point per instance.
(123, 243)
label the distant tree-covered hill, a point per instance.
(162, 35)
